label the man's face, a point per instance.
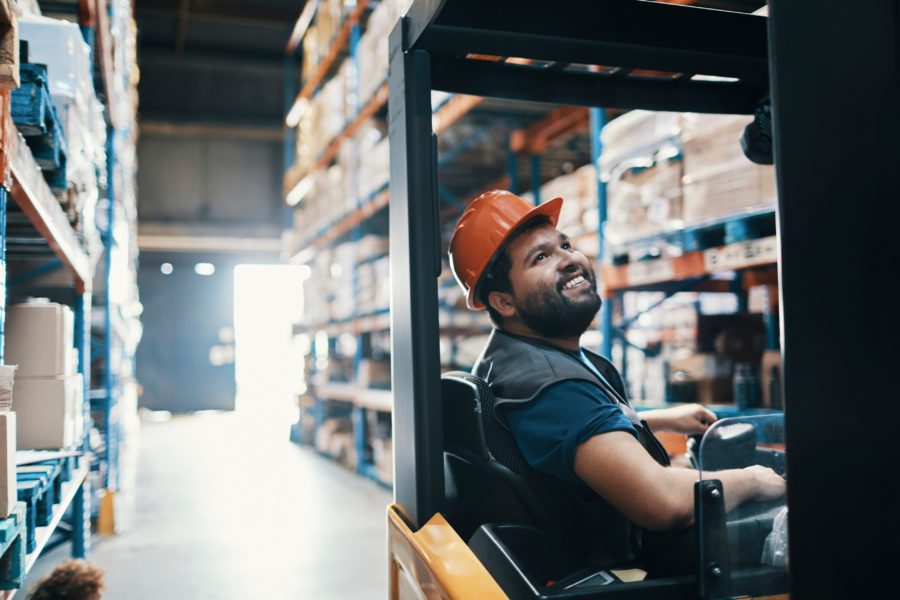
(554, 286)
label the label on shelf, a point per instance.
(650, 271)
(739, 256)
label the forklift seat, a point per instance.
(488, 484)
(483, 468)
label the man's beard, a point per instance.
(549, 313)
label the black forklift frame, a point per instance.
(826, 153)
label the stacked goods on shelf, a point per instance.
(321, 33)
(49, 394)
(335, 438)
(7, 463)
(60, 46)
(373, 46)
(37, 120)
(578, 217)
(719, 181)
(383, 458)
(375, 156)
(7, 442)
(330, 296)
(697, 347)
(642, 169)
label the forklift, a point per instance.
(465, 523)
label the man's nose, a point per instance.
(569, 262)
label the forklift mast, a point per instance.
(832, 73)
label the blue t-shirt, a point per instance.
(549, 428)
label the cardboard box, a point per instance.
(703, 378)
(383, 457)
(719, 181)
(771, 379)
(39, 339)
(50, 412)
(7, 463)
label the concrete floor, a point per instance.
(225, 507)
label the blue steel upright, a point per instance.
(598, 121)
(109, 379)
(4, 195)
(359, 413)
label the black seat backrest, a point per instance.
(487, 478)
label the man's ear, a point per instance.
(502, 302)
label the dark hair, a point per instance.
(71, 580)
(496, 274)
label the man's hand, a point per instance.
(688, 419)
(768, 485)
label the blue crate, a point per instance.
(30, 493)
(13, 549)
(35, 117)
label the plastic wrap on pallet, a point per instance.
(59, 45)
(578, 189)
(636, 132)
(644, 197)
(719, 181)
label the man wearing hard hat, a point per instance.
(565, 406)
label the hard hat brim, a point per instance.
(549, 209)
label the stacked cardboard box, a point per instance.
(7, 463)
(719, 181)
(373, 46)
(642, 170)
(320, 34)
(49, 394)
(60, 46)
(383, 457)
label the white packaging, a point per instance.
(7, 463)
(7, 377)
(39, 339)
(61, 46)
(49, 412)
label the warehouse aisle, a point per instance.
(228, 508)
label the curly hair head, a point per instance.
(71, 580)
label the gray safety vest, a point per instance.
(518, 369)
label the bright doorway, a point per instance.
(268, 300)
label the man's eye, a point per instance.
(567, 246)
(540, 257)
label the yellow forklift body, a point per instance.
(434, 562)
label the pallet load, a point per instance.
(719, 181)
(59, 47)
(49, 395)
(641, 165)
(7, 443)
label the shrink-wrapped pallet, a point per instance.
(642, 169)
(644, 198)
(719, 181)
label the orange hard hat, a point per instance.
(483, 227)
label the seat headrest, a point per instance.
(463, 396)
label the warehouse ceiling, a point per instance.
(210, 111)
(214, 61)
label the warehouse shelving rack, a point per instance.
(36, 228)
(530, 136)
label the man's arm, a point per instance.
(654, 497)
(688, 419)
